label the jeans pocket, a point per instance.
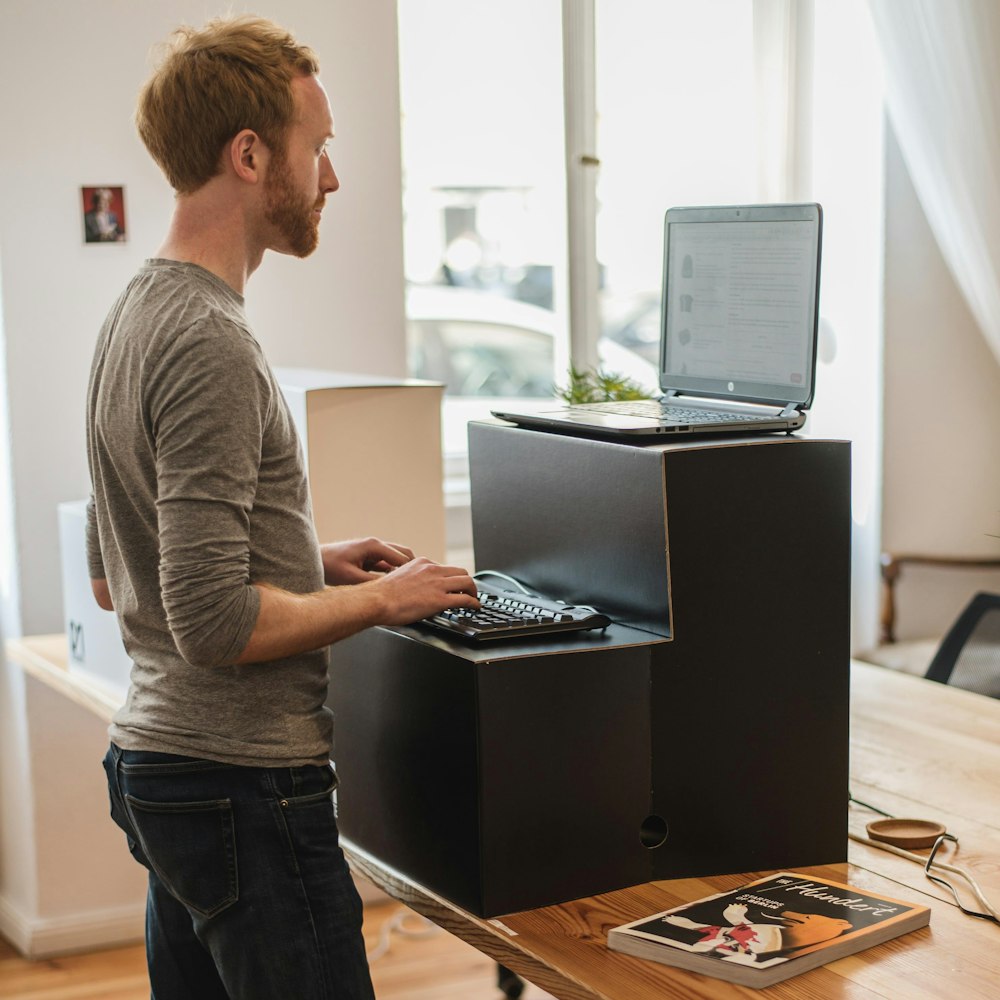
(296, 787)
(304, 803)
(192, 848)
(118, 813)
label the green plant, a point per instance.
(595, 385)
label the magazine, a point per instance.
(769, 930)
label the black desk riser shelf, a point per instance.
(711, 738)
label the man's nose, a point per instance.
(328, 180)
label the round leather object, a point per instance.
(907, 833)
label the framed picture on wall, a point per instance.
(103, 213)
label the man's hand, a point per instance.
(288, 623)
(409, 588)
(361, 559)
(421, 588)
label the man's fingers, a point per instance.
(384, 556)
(464, 599)
(395, 553)
(405, 550)
(463, 584)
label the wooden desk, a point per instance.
(917, 749)
(46, 657)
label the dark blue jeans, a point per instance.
(249, 894)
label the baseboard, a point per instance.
(46, 937)
(39, 937)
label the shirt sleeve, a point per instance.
(95, 562)
(208, 404)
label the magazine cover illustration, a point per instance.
(771, 921)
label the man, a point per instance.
(201, 539)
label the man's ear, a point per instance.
(246, 155)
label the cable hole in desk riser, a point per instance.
(653, 832)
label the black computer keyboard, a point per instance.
(506, 614)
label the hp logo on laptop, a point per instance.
(731, 386)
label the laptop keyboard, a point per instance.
(676, 414)
(506, 614)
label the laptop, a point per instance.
(738, 328)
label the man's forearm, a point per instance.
(288, 624)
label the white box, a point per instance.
(95, 642)
(372, 449)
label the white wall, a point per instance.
(65, 119)
(941, 476)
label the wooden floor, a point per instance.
(410, 960)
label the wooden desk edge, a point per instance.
(44, 657)
(489, 937)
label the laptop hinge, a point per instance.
(791, 410)
(670, 394)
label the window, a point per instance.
(675, 126)
(484, 196)
(485, 180)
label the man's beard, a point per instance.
(290, 212)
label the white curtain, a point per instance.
(942, 81)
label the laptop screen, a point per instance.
(740, 302)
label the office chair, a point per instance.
(969, 655)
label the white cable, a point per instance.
(922, 861)
(396, 923)
(503, 576)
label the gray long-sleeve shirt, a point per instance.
(199, 491)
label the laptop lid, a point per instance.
(740, 307)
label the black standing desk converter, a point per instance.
(706, 732)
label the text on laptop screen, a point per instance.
(739, 307)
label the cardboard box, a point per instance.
(373, 454)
